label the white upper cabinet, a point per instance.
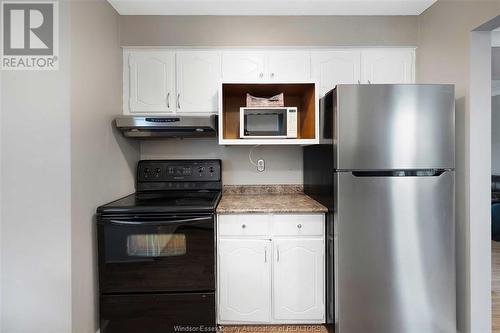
(330, 68)
(170, 81)
(198, 75)
(266, 66)
(148, 81)
(298, 279)
(244, 273)
(289, 66)
(388, 66)
(242, 66)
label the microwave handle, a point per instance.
(162, 223)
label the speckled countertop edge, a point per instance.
(264, 189)
(267, 199)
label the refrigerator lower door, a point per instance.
(396, 261)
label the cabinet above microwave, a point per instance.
(299, 127)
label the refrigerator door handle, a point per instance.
(400, 173)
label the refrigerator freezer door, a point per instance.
(396, 261)
(382, 126)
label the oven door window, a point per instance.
(156, 245)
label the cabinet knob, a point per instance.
(261, 74)
(299, 226)
(243, 226)
(272, 74)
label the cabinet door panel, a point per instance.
(330, 68)
(244, 281)
(388, 66)
(198, 75)
(150, 81)
(299, 279)
(242, 66)
(289, 66)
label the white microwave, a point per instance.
(268, 122)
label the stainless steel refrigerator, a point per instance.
(385, 169)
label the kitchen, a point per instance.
(103, 162)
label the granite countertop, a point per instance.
(267, 199)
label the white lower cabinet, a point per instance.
(245, 280)
(298, 279)
(269, 272)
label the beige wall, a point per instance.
(268, 31)
(102, 161)
(35, 196)
(443, 57)
(283, 164)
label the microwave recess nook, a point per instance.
(292, 119)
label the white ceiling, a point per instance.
(271, 7)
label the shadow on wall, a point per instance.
(129, 148)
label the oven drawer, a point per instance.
(243, 225)
(299, 224)
(157, 313)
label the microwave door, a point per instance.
(264, 123)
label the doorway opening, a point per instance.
(495, 182)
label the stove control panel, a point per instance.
(178, 171)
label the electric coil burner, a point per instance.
(156, 250)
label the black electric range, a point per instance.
(156, 249)
(164, 202)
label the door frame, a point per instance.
(476, 235)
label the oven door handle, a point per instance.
(162, 223)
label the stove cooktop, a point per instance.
(164, 202)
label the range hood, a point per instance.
(141, 127)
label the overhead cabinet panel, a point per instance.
(243, 66)
(198, 74)
(266, 66)
(330, 68)
(150, 81)
(289, 66)
(388, 66)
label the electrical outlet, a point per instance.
(261, 165)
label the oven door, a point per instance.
(264, 123)
(156, 254)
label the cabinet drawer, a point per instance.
(299, 225)
(243, 225)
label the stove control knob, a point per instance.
(201, 169)
(157, 170)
